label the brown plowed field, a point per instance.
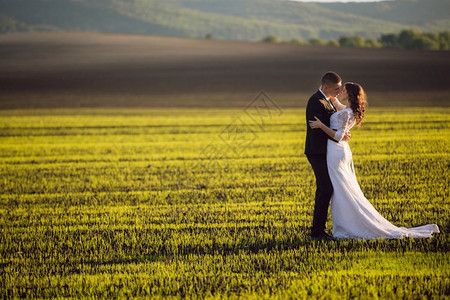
(106, 70)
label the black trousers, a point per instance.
(324, 191)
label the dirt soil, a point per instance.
(89, 69)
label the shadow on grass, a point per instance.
(438, 243)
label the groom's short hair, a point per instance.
(331, 78)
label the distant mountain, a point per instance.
(432, 15)
(225, 19)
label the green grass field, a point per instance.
(212, 203)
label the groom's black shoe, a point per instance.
(322, 236)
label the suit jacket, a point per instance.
(316, 139)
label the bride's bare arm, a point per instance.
(339, 106)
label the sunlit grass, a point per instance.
(126, 202)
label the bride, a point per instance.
(352, 214)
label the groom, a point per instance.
(320, 105)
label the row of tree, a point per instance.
(406, 39)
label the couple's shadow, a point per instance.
(304, 244)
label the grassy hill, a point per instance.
(231, 19)
(429, 15)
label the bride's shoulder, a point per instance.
(346, 113)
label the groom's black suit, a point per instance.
(316, 151)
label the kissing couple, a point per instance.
(328, 124)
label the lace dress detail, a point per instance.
(353, 215)
(344, 123)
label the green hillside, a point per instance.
(431, 15)
(231, 19)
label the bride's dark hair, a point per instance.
(358, 101)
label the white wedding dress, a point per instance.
(352, 214)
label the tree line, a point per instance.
(406, 39)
